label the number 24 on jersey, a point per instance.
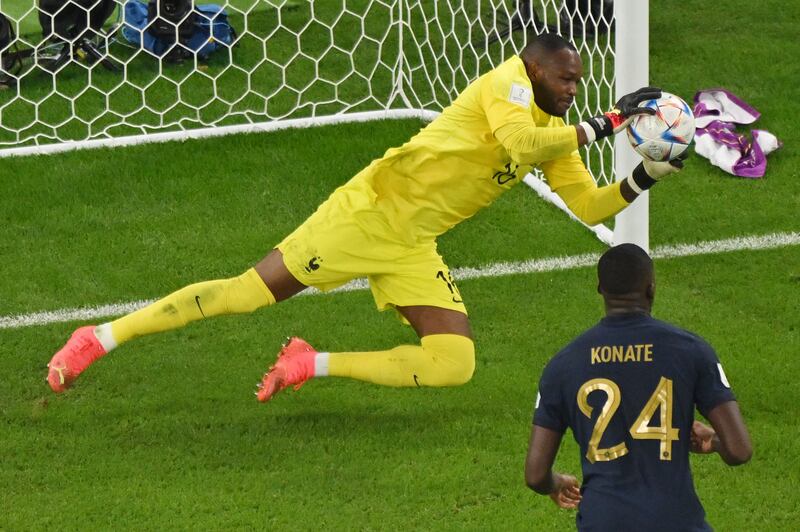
(641, 430)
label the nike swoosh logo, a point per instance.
(416, 381)
(197, 300)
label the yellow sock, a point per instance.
(236, 295)
(441, 360)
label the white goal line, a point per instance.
(770, 241)
(182, 135)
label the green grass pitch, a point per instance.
(165, 434)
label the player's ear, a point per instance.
(532, 69)
(531, 75)
(651, 291)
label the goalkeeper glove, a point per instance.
(648, 173)
(620, 116)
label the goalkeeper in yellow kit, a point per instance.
(383, 224)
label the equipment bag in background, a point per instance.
(171, 20)
(67, 20)
(8, 61)
(210, 31)
(7, 35)
(11, 55)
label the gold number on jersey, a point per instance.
(641, 429)
(664, 431)
(613, 398)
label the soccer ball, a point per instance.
(666, 134)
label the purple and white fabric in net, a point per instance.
(716, 112)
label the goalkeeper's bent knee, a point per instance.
(236, 295)
(453, 360)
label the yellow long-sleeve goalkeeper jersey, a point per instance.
(483, 144)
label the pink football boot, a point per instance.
(295, 365)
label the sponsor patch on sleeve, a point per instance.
(722, 376)
(520, 95)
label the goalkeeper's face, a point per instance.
(555, 79)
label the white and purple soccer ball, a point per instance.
(666, 134)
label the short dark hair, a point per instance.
(624, 269)
(548, 43)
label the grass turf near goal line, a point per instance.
(101, 312)
(165, 432)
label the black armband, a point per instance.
(597, 127)
(641, 179)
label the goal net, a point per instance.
(292, 63)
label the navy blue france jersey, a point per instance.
(628, 388)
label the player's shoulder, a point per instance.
(509, 80)
(566, 357)
(692, 342)
(512, 69)
(675, 330)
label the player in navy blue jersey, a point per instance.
(627, 389)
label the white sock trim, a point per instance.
(591, 136)
(104, 335)
(321, 364)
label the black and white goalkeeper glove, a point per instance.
(620, 116)
(648, 173)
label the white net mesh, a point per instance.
(289, 59)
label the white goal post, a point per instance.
(300, 63)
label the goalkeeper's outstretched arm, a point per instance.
(569, 178)
(528, 144)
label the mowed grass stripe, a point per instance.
(769, 241)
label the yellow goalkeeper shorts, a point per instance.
(348, 237)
